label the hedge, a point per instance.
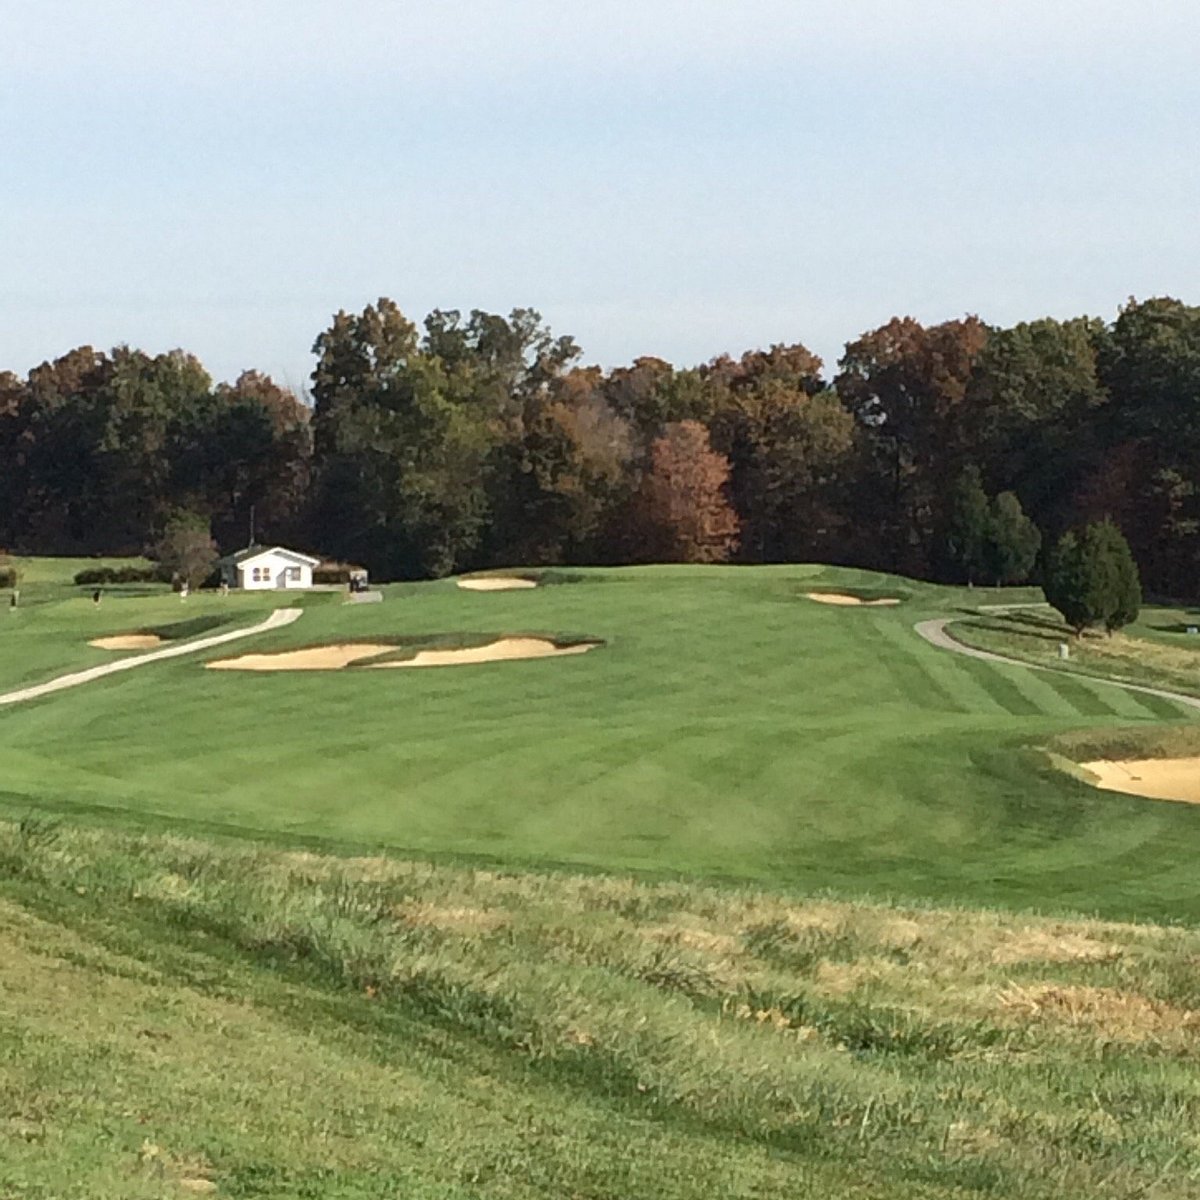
(109, 575)
(334, 572)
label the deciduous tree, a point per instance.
(186, 551)
(683, 513)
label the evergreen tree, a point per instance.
(1012, 541)
(967, 527)
(1118, 585)
(1065, 585)
(1093, 579)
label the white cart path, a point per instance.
(277, 619)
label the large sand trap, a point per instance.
(316, 658)
(128, 641)
(504, 650)
(1155, 778)
(841, 598)
(496, 583)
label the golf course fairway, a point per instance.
(729, 728)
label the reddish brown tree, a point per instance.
(683, 514)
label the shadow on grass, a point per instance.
(1042, 634)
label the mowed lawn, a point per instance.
(730, 728)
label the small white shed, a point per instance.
(263, 567)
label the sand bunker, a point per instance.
(315, 658)
(505, 650)
(841, 598)
(1154, 778)
(335, 658)
(496, 583)
(128, 641)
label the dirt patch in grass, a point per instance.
(450, 918)
(497, 583)
(1051, 946)
(706, 941)
(503, 650)
(1126, 1016)
(844, 599)
(128, 641)
(1154, 778)
(314, 658)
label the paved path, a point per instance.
(277, 619)
(936, 634)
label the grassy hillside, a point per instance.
(729, 728)
(184, 1016)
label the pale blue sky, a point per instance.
(656, 177)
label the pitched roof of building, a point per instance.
(251, 552)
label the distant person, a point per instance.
(12, 600)
(224, 588)
(183, 590)
(96, 597)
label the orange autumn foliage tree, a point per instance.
(682, 513)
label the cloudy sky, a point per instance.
(655, 176)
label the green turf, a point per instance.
(729, 728)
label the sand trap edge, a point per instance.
(497, 583)
(510, 649)
(343, 655)
(845, 600)
(128, 641)
(1176, 779)
(335, 657)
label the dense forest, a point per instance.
(480, 440)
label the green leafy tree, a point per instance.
(1117, 572)
(1092, 579)
(1066, 585)
(186, 551)
(402, 437)
(1011, 542)
(967, 526)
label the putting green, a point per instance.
(730, 728)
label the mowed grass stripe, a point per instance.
(1159, 706)
(1038, 688)
(1130, 706)
(999, 685)
(1085, 698)
(971, 685)
(915, 680)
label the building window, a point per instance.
(260, 575)
(294, 573)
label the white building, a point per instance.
(262, 567)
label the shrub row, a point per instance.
(333, 572)
(108, 575)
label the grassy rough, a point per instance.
(186, 1015)
(1157, 652)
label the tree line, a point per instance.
(954, 451)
